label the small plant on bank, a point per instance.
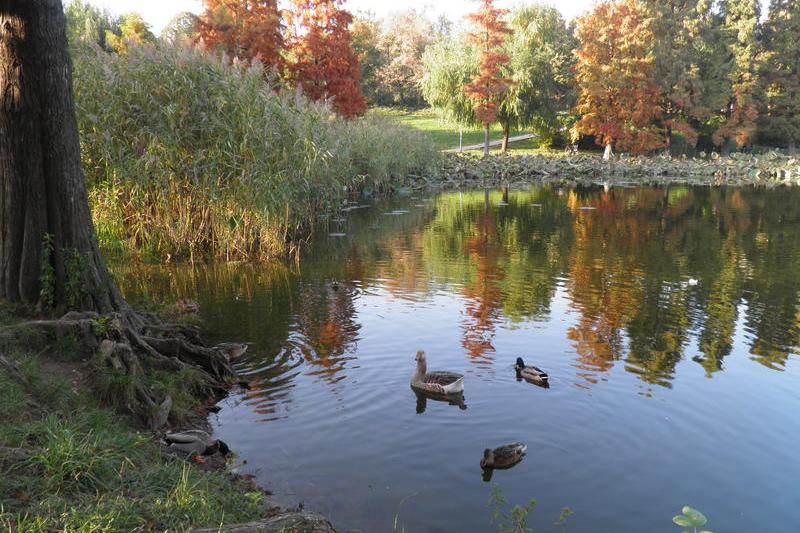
(691, 518)
(516, 521)
(47, 274)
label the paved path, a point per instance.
(494, 143)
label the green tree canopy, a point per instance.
(87, 24)
(450, 64)
(133, 30)
(781, 73)
(541, 62)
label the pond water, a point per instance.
(667, 318)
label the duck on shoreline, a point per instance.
(196, 442)
(435, 382)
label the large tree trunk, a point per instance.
(486, 141)
(42, 191)
(43, 199)
(506, 135)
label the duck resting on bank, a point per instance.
(196, 442)
(504, 456)
(531, 372)
(435, 382)
(233, 350)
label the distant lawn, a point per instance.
(445, 136)
(526, 147)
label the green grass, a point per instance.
(445, 136)
(88, 470)
(526, 147)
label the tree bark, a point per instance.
(42, 190)
(43, 198)
(506, 135)
(486, 141)
(608, 153)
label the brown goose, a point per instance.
(435, 382)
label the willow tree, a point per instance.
(49, 256)
(540, 69)
(449, 65)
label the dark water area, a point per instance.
(667, 318)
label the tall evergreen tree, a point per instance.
(323, 63)
(781, 73)
(677, 26)
(740, 31)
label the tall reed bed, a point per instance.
(190, 156)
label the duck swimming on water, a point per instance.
(435, 382)
(504, 456)
(233, 350)
(530, 372)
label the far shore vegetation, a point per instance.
(209, 143)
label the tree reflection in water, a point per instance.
(621, 259)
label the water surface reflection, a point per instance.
(661, 314)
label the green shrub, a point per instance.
(189, 155)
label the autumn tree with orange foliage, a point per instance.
(323, 63)
(619, 99)
(245, 29)
(488, 87)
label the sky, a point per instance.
(159, 12)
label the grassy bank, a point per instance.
(443, 136)
(69, 464)
(187, 156)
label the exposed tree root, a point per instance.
(125, 348)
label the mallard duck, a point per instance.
(436, 382)
(531, 372)
(196, 442)
(233, 350)
(503, 456)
